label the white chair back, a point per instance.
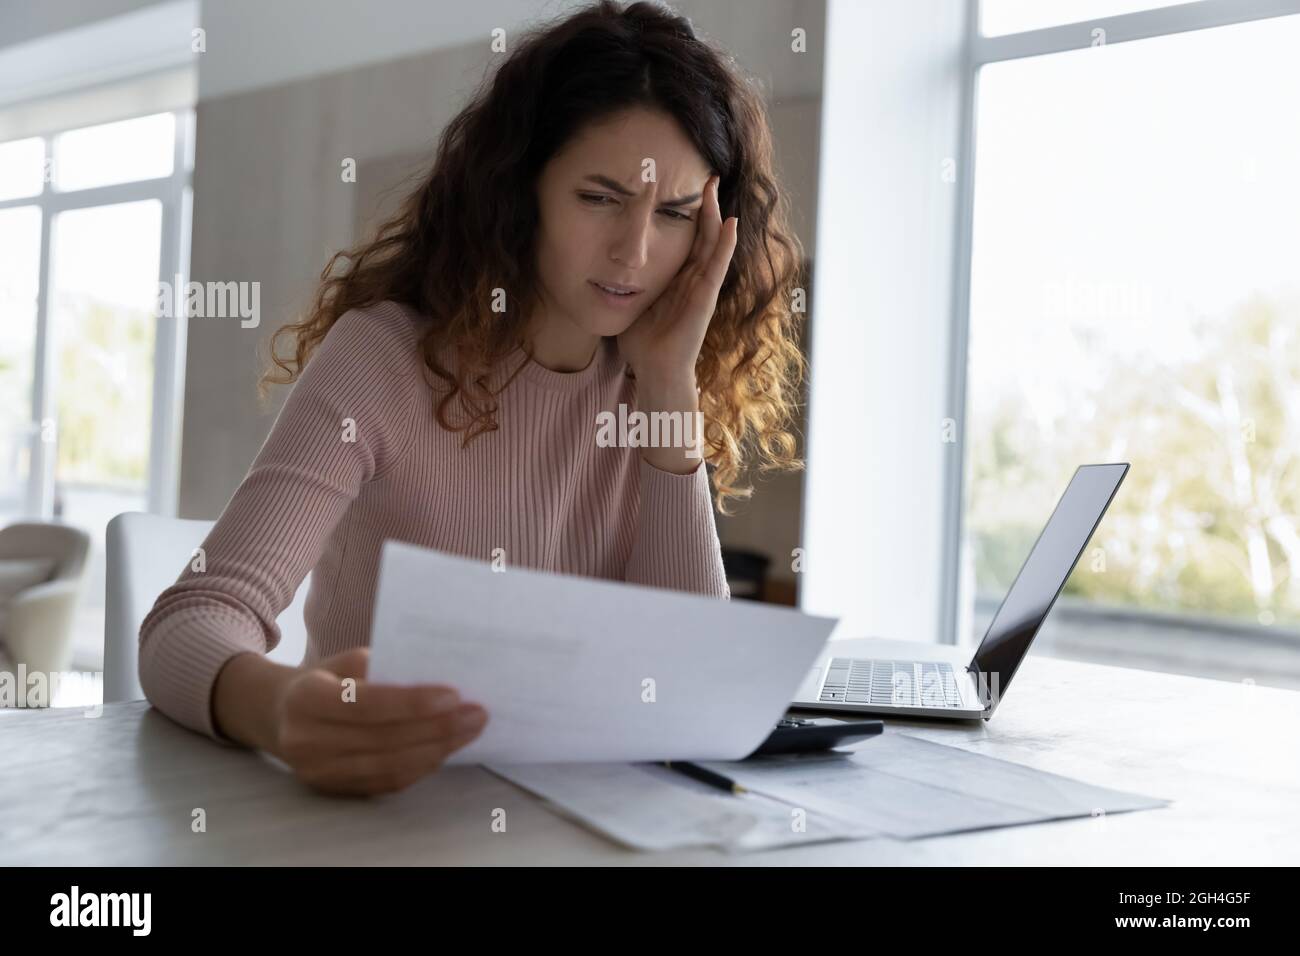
(145, 555)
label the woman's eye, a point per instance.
(596, 200)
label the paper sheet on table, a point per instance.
(649, 807)
(576, 669)
(893, 786)
(907, 787)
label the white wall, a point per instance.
(82, 58)
(891, 112)
(24, 20)
(255, 43)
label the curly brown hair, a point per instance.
(469, 228)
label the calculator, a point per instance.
(794, 735)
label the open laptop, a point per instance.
(935, 687)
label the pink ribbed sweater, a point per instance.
(539, 487)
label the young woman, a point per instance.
(601, 226)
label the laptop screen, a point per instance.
(1043, 574)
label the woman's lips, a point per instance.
(621, 301)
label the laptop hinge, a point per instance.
(980, 688)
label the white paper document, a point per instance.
(649, 807)
(907, 787)
(574, 669)
(890, 787)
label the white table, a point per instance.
(121, 789)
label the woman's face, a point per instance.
(601, 221)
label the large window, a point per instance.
(91, 221)
(1134, 296)
(20, 260)
(103, 287)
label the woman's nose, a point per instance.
(630, 247)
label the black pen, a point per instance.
(705, 776)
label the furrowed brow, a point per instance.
(623, 191)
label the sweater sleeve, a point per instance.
(676, 543)
(347, 421)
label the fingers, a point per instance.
(366, 737)
(712, 220)
(706, 231)
(717, 241)
(384, 772)
(716, 270)
(353, 663)
(323, 698)
(312, 740)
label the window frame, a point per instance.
(175, 194)
(981, 50)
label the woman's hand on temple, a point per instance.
(663, 343)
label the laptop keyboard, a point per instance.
(901, 683)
